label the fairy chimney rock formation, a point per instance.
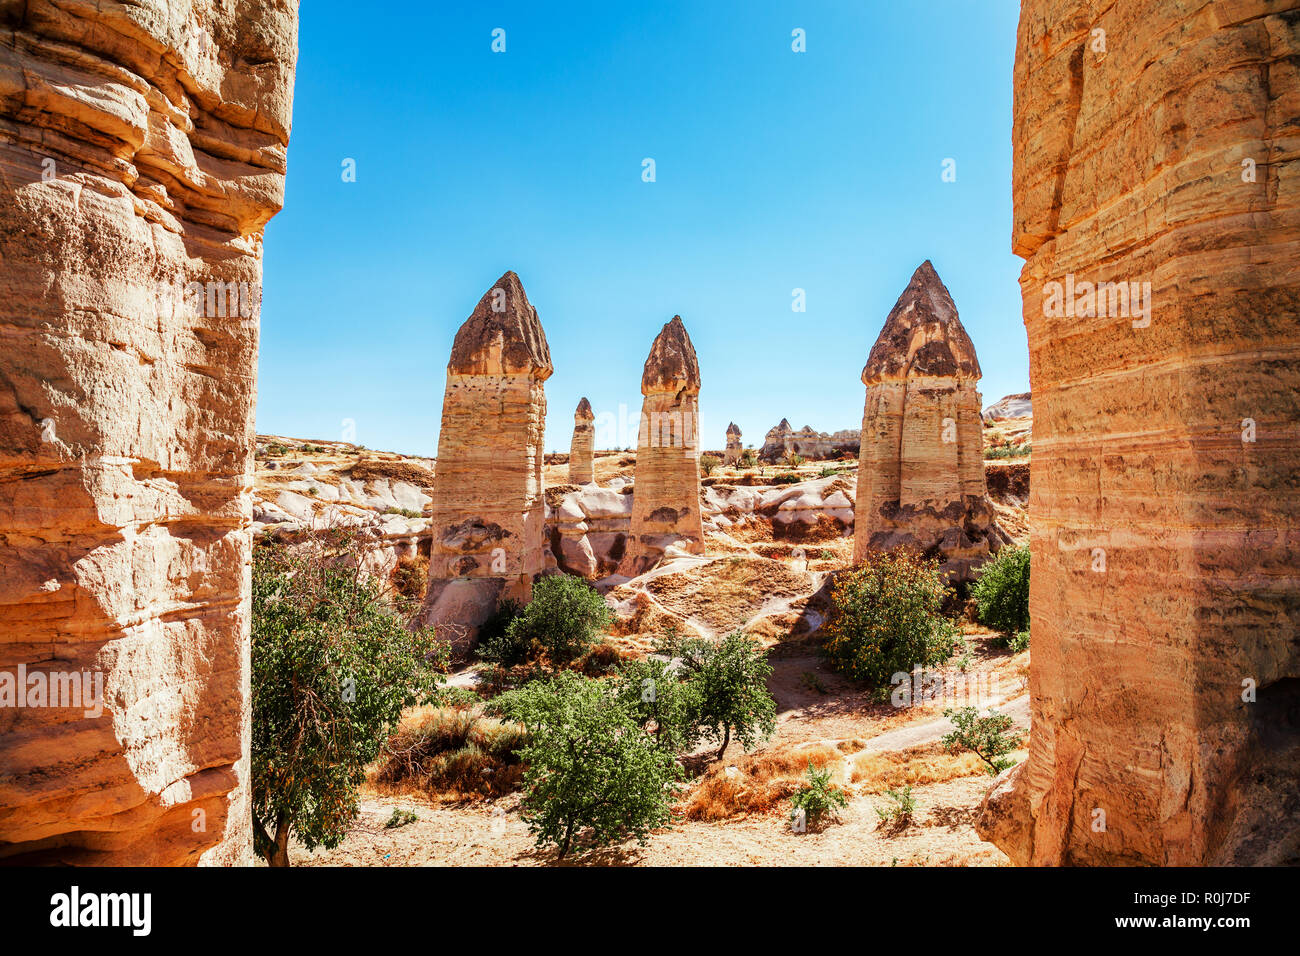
(581, 470)
(142, 151)
(666, 499)
(734, 450)
(921, 462)
(1165, 685)
(488, 510)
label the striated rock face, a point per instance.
(921, 467)
(142, 151)
(782, 440)
(581, 471)
(488, 512)
(1166, 534)
(734, 449)
(666, 509)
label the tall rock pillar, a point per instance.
(666, 496)
(581, 469)
(921, 461)
(1156, 207)
(734, 449)
(142, 151)
(488, 511)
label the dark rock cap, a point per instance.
(511, 340)
(672, 364)
(922, 335)
(732, 429)
(584, 412)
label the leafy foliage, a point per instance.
(332, 669)
(817, 797)
(1002, 591)
(590, 768)
(730, 679)
(986, 737)
(564, 618)
(708, 463)
(886, 618)
(494, 645)
(901, 809)
(661, 703)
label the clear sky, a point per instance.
(775, 170)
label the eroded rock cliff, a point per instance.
(1156, 152)
(142, 151)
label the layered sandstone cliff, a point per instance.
(921, 465)
(581, 470)
(488, 513)
(1156, 148)
(142, 151)
(782, 441)
(666, 507)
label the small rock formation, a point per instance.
(142, 152)
(782, 441)
(488, 512)
(666, 500)
(921, 467)
(1165, 596)
(581, 469)
(734, 449)
(1010, 406)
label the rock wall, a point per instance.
(581, 469)
(921, 465)
(782, 441)
(1165, 592)
(488, 512)
(142, 151)
(666, 508)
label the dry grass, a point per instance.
(397, 470)
(877, 772)
(726, 594)
(451, 754)
(754, 783)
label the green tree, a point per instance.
(1002, 591)
(661, 703)
(886, 618)
(589, 766)
(332, 669)
(730, 679)
(986, 737)
(817, 797)
(564, 618)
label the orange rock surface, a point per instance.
(142, 151)
(1156, 147)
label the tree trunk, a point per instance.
(280, 854)
(726, 739)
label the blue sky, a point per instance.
(775, 170)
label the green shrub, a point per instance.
(708, 463)
(818, 797)
(1008, 451)
(986, 737)
(788, 478)
(730, 679)
(1016, 642)
(748, 459)
(332, 670)
(901, 809)
(404, 512)
(886, 618)
(564, 618)
(400, 818)
(1002, 591)
(589, 766)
